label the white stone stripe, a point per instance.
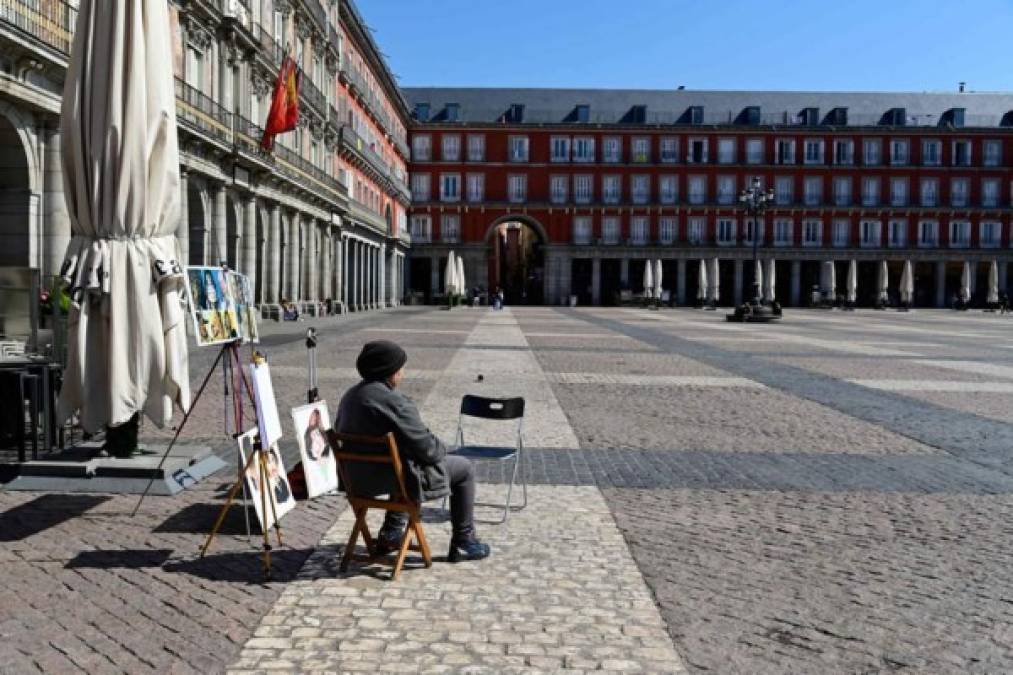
(653, 380)
(937, 385)
(977, 367)
(580, 336)
(416, 330)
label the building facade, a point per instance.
(322, 217)
(557, 193)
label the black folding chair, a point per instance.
(501, 409)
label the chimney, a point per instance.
(961, 86)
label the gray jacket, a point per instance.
(373, 408)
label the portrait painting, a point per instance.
(277, 481)
(311, 424)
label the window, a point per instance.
(421, 148)
(930, 191)
(666, 230)
(899, 151)
(558, 187)
(669, 189)
(726, 151)
(749, 226)
(726, 189)
(726, 231)
(476, 147)
(754, 151)
(517, 188)
(990, 234)
(842, 190)
(960, 233)
(610, 229)
(582, 189)
(450, 187)
(932, 152)
(612, 149)
(961, 153)
(960, 189)
(812, 232)
(582, 230)
(813, 151)
(420, 187)
(992, 153)
(784, 186)
(450, 227)
(518, 148)
(451, 148)
(697, 188)
(897, 235)
(813, 190)
(872, 151)
(785, 151)
(583, 149)
(669, 150)
(842, 232)
(695, 230)
(870, 233)
(844, 152)
(611, 189)
(697, 151)
(421, 229)
(476, 187)
(641, 149)
(640, 186)
(870, 191)
(639, 230)
(898, 191)
(928, 233)
(560, 151)
(782, 232)
(990, 192)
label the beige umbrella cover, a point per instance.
(460, 278)
(126, 346)
(648, 279)
(715, 280)
(757, 280)
(852, 281)
(907, 283)
(701, 284)
(884, 281)
(993, 283)
(770, 281)
(965, 282)
(450, 274)
(829, 279)
(657, 279)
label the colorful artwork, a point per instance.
(277, 481)
(311, 422)
(221, 306)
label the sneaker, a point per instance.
(469, 550)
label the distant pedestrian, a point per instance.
(1003, 302)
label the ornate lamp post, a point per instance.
(754, 200)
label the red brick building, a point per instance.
(595, 182)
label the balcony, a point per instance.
(317, 12)
(299, 169)
(354, 142)
(272, 51)
(312, 95)
(236, 14)
(203, 114)
(52, 22)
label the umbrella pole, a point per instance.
(179, 429)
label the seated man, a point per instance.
(374, 407)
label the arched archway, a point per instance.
(515, 247)
(16, 229)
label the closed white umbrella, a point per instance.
(715, 280)
(758, 279)
(884, 282)
(126, 343)
(768, 293)
(829, 280)
(657, 279)
(461, 283)
(648, 279)
(852, 281)
(965, 282)
(907, 284)
(993, 283)
(701, 286)
(450, 274)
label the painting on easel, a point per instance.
(277, 481)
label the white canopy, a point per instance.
(852, 281)
(884, 282)
(702, 292)
(126, 344)
(648, 279)
(828, 280)
(907, 284)
(658, 289)
(460, 283)
(715, 280)
(769, 292)
(450, 274)
(757, 279)
(993, 283)
(965, 282)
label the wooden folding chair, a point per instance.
(379, 450)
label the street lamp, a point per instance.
(754, 200)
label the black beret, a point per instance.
(380, 359)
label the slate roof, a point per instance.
(615, 106)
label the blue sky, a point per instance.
(857, 45)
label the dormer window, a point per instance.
(422, 112)
(453, 112)
(583, 113)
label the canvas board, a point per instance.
(311, 422)
(277, 481)
(267, 407)
(220, 305)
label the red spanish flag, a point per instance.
(285, 103)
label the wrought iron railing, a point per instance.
(196, 108)
(312, 95)
(271, 47)
(317, 11)
(51, 21)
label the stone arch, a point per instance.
(516, 262)
(19, 190)
(517, 218)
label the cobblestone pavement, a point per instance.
(831, 494)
